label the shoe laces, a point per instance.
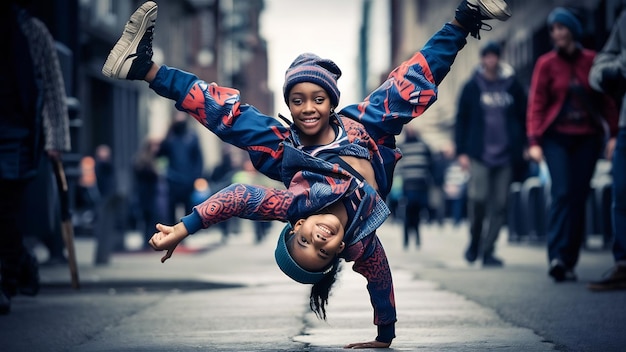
(478, 17)
(146, 41)
(483, 27)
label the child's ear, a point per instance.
(341, 247)
(297, 225)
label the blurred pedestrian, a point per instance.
(608, 75)
(337, 165)
(146, 177)
(455, 189)
(490, 137)
(415, 169)
(181, 147)
(33, 124)
(565, 125)
(87, 196)
(42, 197)
(441, 160)
(394, 199)
(223, 172)
(105, 172)
(201, 191)
(250, 175)
(110, 215)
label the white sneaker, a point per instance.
(496, 9)
(131, 57)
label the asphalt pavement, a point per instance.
(230, 296)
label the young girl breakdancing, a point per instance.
(337, 166)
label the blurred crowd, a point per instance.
(539, 161)
(169, 179)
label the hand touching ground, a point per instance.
(370, 344)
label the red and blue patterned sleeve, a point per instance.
(240, 200)
(373, 265)
(220, 110)
(410, 88)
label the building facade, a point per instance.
(218, 40)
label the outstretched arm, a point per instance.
(410, 88)
(373, 265)
(243, 201)
(220, 110)
(236, 200)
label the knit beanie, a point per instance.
(491, 47)
(568, 19)
(290, 267)
(311, 68)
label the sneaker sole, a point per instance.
(497, 9)
(139, 21)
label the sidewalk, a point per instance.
(429, 317)
(257, 308)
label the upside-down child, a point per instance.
(337, 167)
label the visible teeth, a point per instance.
(324, 229)
(310, 120)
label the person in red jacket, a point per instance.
(567, 124)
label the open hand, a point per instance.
(370, 344)
(168, 238)
(610, 147)
(536, 153)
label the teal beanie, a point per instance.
(568, 19)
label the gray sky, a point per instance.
(328, 28)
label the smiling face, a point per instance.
(316, 241)
(310, 108)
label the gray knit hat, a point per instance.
(309, 67)
(290, 267)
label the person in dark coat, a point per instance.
(146, 177)
(415, 170)
(33, 124)
(181, 147)
(490, 137)
(608, 75)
